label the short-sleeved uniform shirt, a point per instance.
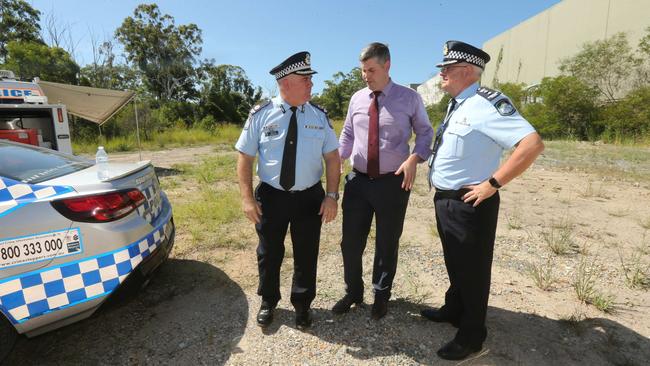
(483, 124)
(266, 130)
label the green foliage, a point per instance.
(18, 22)
(170, 113)
(337, 92)
(104, 73)
(31, 59)
(629, 117)
(437, 111)
(515, 91)
(606, 65)
(227, 93)
(162, 52)
(568, 109)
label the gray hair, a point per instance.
(375, 50)
(477, 71)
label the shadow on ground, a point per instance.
(190, 313)
(514, 338)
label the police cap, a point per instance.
(457, 51)
(298, 63)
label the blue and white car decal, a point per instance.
(31, 294)
(14, 194)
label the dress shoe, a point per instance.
(379, 309)
(344, 305)
(303, 319)
(436, 315)
(456, 351)
(265, 315)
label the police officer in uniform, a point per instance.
(465, 171)
(291, 138)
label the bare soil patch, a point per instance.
(201, 306)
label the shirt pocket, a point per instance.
(313, 139)
(459, 138)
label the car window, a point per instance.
(34, 165)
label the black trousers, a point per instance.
(467, 234)
(364, 197)
(299, 211)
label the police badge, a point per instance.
(505, 108)
(308, 60)
(445, 50)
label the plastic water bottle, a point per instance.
(101, 159)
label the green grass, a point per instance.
(622, 161)
(210, 210)
(176, 137)
(212, 169)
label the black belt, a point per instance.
(369, 177)
(304, 190)
(454, 194)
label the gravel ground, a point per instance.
(200, 307)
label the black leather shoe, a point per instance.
(265, 315)
(435, 315)
(379, 309)
(456, 351)
(303, 319)
(344, 305)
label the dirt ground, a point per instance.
(200, 307)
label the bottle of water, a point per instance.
(101, 159)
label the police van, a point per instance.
(27, 117)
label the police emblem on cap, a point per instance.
(299, 63)
(456, 51)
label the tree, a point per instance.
(104, 73)
(606, 65)
(643, 72)
(337, 92)
(29, 60)
(163, 52)
(227, 93)
(18, 22)
(569, 108)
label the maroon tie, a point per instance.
(373, 137)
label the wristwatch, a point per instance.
(494, 183)
(333, 195)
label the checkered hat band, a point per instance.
(302, 65)
(472, 59)
(43, 291)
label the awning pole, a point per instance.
(137, 126)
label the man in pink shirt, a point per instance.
(375, 136)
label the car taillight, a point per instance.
(103, 207)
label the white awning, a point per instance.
(94, 104)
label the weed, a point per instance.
(434, 231)
(591, 191)
(514, 220)
(559, 237)
(542, 275)
(603, 302)
(584, 282)
(637, 274)
(645, 223)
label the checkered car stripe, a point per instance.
(40, 292)
(14, 194)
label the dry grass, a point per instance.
(542, 274)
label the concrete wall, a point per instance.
(533, 48)
(430, 91)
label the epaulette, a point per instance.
(488, 93)
(322, 109)
(257, 108)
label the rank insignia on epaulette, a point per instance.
(488, 93)
(505, 108)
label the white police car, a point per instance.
(69, 239)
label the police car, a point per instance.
(69, 239)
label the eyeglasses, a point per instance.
(446, 68)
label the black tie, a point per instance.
(288, 172)
(441, 129)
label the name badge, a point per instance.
(313, 127)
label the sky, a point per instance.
(258, 35)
